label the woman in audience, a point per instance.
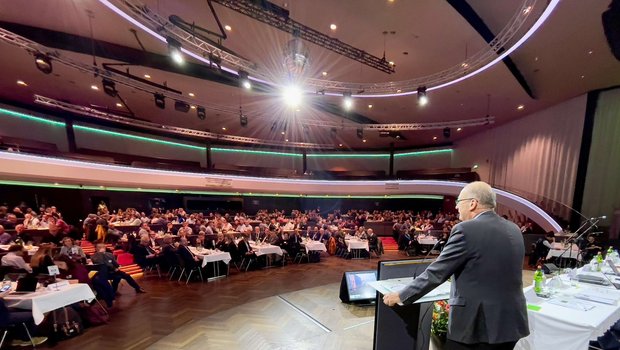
(41, 260)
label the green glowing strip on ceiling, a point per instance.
(243, 194)
(30, 117)
(423, 153)
(247, 151)
(136, 137)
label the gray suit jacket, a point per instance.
(485, 257)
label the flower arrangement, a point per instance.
(439, 324)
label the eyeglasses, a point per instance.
(463, 199)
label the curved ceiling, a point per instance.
(566, 57)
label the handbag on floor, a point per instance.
(67, 323)
(95, 314)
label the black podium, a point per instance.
(403, 327)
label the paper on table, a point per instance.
(397, 284)
(572, 303)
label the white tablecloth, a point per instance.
(314, 246)
(357, 244)
(427, 240)
(213, 256)
(266, 249)
(556, 252)
(46, 301)
(560, 327)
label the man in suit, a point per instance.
(484, 254)
(108, 261)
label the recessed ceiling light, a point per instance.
(228, 28)
(147, 76)
(56, 183)
(193, 107)
(399, 90)
(282, 133)
(224, 128)
(118, 104)
(527, 10)
(391, 63)
(333, 26)
(364, 140)
(324, 74)
(94, 87)
(22, 83)
(536, 58)
(459, 129)
(340, 144)
(286, 140)
(520, 107)
(434, 137)
(191, 94)
(583, 76)
(590, 52)
(369, 106)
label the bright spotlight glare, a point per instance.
(177, 56)
(423, 100)
(247, 85)
(292, 96)
(348, 103)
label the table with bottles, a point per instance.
(564, 313)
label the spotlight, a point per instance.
(215, 60)
(348, 101)
(43, 63)
(243, 120)
(181, 106)
(109, 87)
(175, 50)
(446, 133)
(292, 96)
(360, 133)
(422, 98)
(160, 101)
(244, 80)
(201, 113)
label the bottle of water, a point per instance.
(599, 261)
(538, 280)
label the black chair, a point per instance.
(174, 262)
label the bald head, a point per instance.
(482, 192)
(475, 198)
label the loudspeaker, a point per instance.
(201, 113)
(446, 133)
(549, 268)
(611, 27)
(181, 106)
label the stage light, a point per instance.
(422, 98)
(181, 106)
(347, 101)
(160, 101)
(360, 133)
(174, 47)
(109, 87)
(446, 132)
(243, 120)
(43, 63)
(292, 95)
(201, 113)
(244, 80)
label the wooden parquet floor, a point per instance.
(262, 309)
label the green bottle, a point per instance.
(538, 280)
(599, 260)
(609, 252)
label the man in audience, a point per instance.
(185, 230)
(5, 237)
(73, 251)
(107, 259)
(20, 235)
(14, 259)
(143, 254)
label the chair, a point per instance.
(6, 331)
(173, 261)
(188, 264)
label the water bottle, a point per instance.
(610, 252)
(538, 280)
(599, 261)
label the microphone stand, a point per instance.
(580, 236)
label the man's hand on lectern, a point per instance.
(391, 299)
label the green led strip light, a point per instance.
(30, 117)
(136, 137)
(423, 153)
(248, 194)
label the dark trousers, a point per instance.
(118, 276)
(452, 345)
(15, 318)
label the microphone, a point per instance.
(602, 217)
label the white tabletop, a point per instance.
(44, 301)
(262, 249)
(561, 327)
(208, 255)
(559, 248)
(311, 245)
(357, 244)
(427, 240)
